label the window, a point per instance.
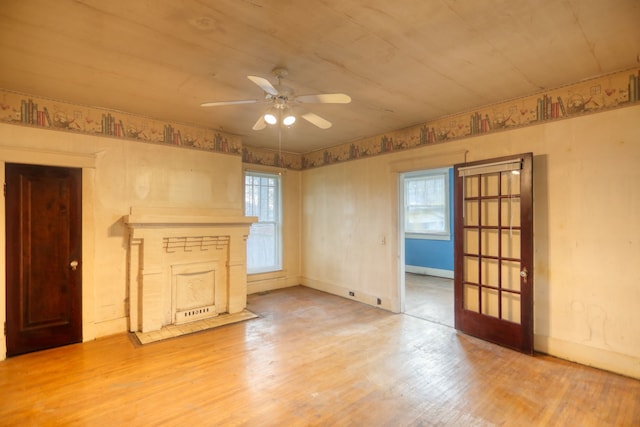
(426, 204)
(262, 199)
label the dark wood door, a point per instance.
(494, 250)
(44, 265)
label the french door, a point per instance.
(493, 292)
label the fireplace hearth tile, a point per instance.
(173, 331)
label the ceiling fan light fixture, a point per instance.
(281, 100)
(289, 120)
(270, 118)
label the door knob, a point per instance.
(524, 274)
(74, 265)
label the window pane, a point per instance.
(262, 199)
(261, 246)
(427, 203)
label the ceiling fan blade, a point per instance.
(264, 84)
(317, 120)
(260, 124)
(221, 103)
(325, 98)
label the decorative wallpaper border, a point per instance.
(260, 156)
(614, 90)
(18, 108)
(602, 93)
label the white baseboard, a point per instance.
(428, 271)
(591, 356)
(108, 327)
(372, 300)
(271, 284)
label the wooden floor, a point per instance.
(310, 359)
(429, 298)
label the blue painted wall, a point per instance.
(432, 253)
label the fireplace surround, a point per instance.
(184, 265)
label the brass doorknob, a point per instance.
(73, 264)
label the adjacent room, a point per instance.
(428, 244)
(320, 213)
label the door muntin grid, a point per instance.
(491, 244)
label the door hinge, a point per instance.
(5, 189)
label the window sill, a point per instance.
(266, 275)
(420, 236)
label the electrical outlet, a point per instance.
(379, 301)
(352, 294)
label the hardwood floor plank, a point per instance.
(310, 359)
(429, 298)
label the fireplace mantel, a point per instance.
(135, 221)
(169, 247)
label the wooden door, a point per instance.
(44, 266)
(494, 250)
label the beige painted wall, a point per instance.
(118, 174)
(586, 230)
(587, 233)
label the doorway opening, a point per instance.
(427, 245)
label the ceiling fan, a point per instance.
(283, 102)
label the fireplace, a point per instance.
(193, 294)
(184, 266)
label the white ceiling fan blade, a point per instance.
(260, 124)
(264, 84)
(221, 103)
(325, 98)
(317, 120)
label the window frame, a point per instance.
(413, 176)
(277, 221)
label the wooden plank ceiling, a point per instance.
(402, 62)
